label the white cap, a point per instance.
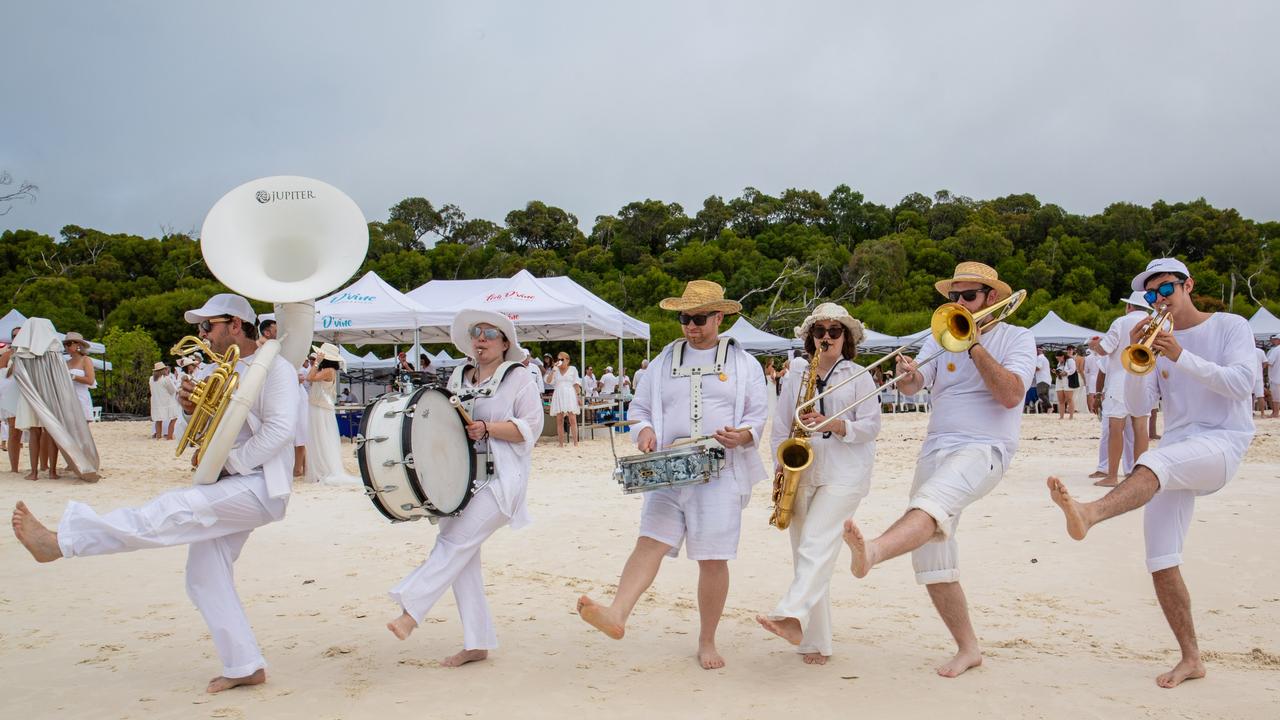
(1137, 299)
(223, 304)
(609, 369)
(1156, 267)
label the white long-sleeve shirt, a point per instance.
(1209, 390)
(836, 460)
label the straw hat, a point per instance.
(328, 351)
(75, 337)
(701, 295)
(975, 272)
(158, 367)
(832, 311)
(460, 331)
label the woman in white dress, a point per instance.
(506, 424)
(324, 447)
(1062, 384)
(302, 428)
(164, 403)
(564, 398)
(12, 436)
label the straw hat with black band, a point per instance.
(974, 272)
(701, 295)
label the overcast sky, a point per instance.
(135, 116)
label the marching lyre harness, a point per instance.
(695, 373)
(468, 398)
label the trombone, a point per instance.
(953, 327)
(1139, 358)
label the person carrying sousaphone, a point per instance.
(843, 448)
(506, 420)
(213, 520)
(702, 386)
(972, 435)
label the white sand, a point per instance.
(1069, 629)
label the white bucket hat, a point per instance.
(460, 331)
(1155, 267)
(1137, 299)
(329, 351)
(832, 311)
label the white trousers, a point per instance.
(1126, 460)
(817, 525)
(214, 521)
(455, 562)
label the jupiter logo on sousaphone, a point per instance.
(265, 197)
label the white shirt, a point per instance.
(836, 460)
(536, 372)
(589, 384)
(518, 401)
(1262, 359)
(635, 384)
(608, 384)
(1273, 357)
(1114, 342)
(964, 410)
(1042, 370)
(1209, 391)
(1093, 363)
(717, 399)
(1066, 367)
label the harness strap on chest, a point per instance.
(695, 373)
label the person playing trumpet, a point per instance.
(839, 476)
(1204, 373)
(972, 435)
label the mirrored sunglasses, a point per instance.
(1164, 289)
(486, 333)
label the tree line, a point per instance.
(779, 255)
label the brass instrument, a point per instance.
(1139, 358)
(795, 454)
(210, 396)
(954, 328)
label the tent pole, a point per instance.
(582, 348)
(621, 369)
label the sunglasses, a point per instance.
(1164, 289)
(968, 295)
(207, 324)
(486, 333)
(698, 320)
(818, 332)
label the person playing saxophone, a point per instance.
(835, 481)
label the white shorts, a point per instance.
(1185, 469)
(707, 517)
(1259, 390)
(1275, 390)
(946, 482)
(1114, 406)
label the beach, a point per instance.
(1069, 629)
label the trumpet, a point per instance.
(954, 328)
(1139, 358)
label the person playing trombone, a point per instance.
(1203, 371)
(972, 435)
(843, 444)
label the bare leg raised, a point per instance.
(637, 575)
(1175, 601)
(403, 626)
(788, 629)
(41, 542)
(713, 591)
(906, 534)
(220, 683)
(1136, 491)
(952, 607)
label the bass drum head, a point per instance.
(442, 456)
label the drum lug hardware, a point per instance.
(407, 462)
(360, 440)
(406, 411)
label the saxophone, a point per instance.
(795, 454)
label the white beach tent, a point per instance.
(14, 319)
(756, 341)
(1263, 325)
(877, 342)
(541, 310)
(1053, 330)
(369, 311)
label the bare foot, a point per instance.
(464, 657)
(33, 475)
(962, 661)
(1107, 481)
(1077, 525)
(862, 552)
(220, 683)
(708, 657)
(34, 536)
(403, 626)
(1096, 475)
(814, 658)
(787, 628)
(601, 618)
(1185, 670)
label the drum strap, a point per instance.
(469, 397)
(695, 373)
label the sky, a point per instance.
(135, 117)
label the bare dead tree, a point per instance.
(25, 191)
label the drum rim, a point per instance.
(406, 445)
(363, 462)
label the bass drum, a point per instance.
(415, 457)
